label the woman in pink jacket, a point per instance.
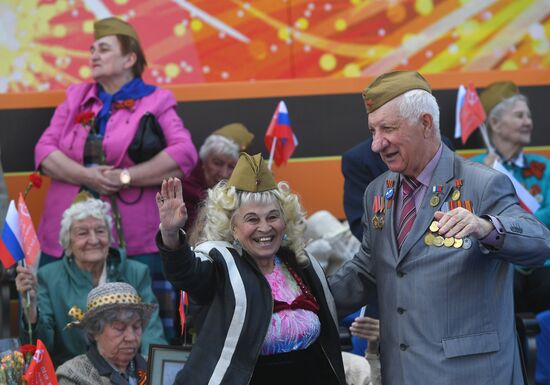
(93, 144)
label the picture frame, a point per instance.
(164, 363)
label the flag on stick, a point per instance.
(40, 370)
(11, 247)
(31, 246)
(184, 304)
(472, 114)
(279, 138)
(459, 102)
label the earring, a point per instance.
(237, 246)
(285, 237)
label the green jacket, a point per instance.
(62, 285)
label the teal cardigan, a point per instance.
(62, 285)
(539, 187)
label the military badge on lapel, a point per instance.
(379, 210)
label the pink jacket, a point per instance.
(139, 220)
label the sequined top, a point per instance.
(290, 329)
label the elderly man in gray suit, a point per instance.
(440, 236)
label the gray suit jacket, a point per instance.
(446, 314)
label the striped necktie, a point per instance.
(408, 210)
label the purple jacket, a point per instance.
(139, 220)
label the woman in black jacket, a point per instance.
(269, 316)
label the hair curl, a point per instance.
(95, 208)
(414, 103)
(223, 201)
(217, 144)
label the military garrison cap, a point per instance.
(251, 174)
(495, 93)
(113, 26)
(390, 85)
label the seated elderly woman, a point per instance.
(510, 128)
(86, 229)
(113, 325)
(218, 155)
(269, 316)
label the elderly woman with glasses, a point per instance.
(113, 325)
(89, 261)
(268, 316)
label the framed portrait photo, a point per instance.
(164, 363)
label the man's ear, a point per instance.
(427, 124)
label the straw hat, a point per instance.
(111, 295)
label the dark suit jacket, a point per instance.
(360, 166)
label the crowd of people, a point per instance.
(135, 214)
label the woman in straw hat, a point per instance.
(113, 325)
(510, 128)
(89, 261)
(269, 316)
(102, 139)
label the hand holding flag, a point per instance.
(279, 138)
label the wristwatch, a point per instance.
(125, 177)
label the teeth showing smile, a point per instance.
(264, 240)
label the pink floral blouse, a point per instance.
(289, 329)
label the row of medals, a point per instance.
(434, 239)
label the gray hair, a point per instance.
(96, 325)
(499, 110)
(95, 208)
(217, 144)
(414, 103)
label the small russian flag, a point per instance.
(11, 247)
(279, 139)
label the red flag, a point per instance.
(184, 303)
(279, 130)
(41, 370)
(472, 114)
(31, 246)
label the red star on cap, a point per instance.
(370, 102)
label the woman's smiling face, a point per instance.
(259, 227)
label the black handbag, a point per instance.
(148, 141)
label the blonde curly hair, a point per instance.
(215, 221)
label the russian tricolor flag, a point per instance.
(279, 138)
(11, 247)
